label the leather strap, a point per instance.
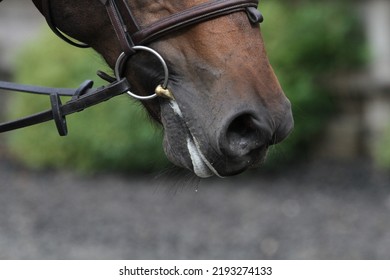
(131, 23)
(191, 16)
(119, 25)
(46, 10)
(131, 35)
(84, 97)
(35, 89)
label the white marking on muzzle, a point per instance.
(176, 108)
(202, 167)
(205, 160)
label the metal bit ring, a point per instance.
(121, 62)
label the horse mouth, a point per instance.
(184, 149)
(203, 168)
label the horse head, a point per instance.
(228, 105)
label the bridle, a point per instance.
(132, 39)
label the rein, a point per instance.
(132, 39)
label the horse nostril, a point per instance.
(243, 135)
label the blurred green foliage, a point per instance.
(307, 41)
(381, 151)
(304, 42)
(115, 135)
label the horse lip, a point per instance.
(204, 169)
(199, 162)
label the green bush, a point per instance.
(381, 152)
(307, 41)
(304, 42)
(115, 135)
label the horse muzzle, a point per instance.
(223, 147)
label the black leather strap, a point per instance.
(119, 25)
(35, 89)
(195, 15)
(46, 10)
(130, 34)
(83, 98)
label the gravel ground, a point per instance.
(321, 210)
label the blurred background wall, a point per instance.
(19, 23)
(361, 127)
